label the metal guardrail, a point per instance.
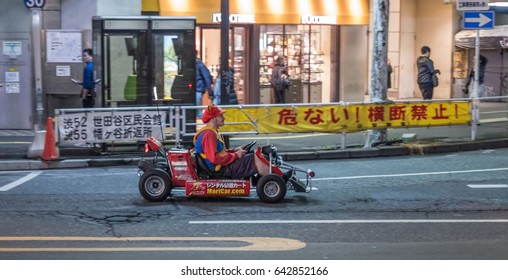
(477, 119)
(176, 126)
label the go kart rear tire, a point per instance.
(271, 188)
(155, 185)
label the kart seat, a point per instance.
(204, 172)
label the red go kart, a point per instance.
(180, 168)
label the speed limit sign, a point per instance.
(35, 3)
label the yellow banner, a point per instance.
(342, 118)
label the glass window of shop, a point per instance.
(209, 43)
(308, 58)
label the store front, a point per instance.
(306, 33)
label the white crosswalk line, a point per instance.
(20, 181)
(489, 186)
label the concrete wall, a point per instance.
(16, 106)
(406, 70)
(413, 24)
(14, 18)
(77, 14)
(435, 28)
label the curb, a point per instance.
(12, 165)
(383, 151)
(403, 150)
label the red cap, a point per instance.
(211, 112)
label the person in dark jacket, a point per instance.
(203, 83)
(278, 70)
(229, 75)
(389, 71)
(426, 72)
(481, 78)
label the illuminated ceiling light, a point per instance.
(356, 8)
(179, 5)
(276, 7)
(245, 7)
(304, 7)
(331, 7)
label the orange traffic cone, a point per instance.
(50, 152)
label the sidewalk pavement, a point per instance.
(14, 145)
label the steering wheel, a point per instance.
(248, 147)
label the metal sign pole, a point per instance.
(476, 101)
(37, 57)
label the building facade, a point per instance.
(326, 45)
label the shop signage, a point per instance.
(472, 5)
(236, 18)
(319, 20)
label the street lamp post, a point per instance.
(224, 50)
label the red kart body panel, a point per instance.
(213, 187)
(182, 167)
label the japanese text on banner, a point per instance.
(350, 118)
(104, 127)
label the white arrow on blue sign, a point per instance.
(479, 20)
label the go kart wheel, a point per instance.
(155, 185)
(271, 188)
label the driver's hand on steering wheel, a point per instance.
(240, 152)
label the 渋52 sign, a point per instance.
(472, 5)
(35, 3)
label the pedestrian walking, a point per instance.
(427, 78)
(203, 83)
(469, 88)
(88, 93)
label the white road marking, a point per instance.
(403, 221)
(20, 181)
(487, 186)
(14, 171)
(411, 174)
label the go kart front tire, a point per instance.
(155, 185)
(271, 188)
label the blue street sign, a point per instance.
(479, 20)
(35, 3)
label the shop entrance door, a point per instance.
(208, 40)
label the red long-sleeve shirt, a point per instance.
(210, 144)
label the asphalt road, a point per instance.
(450, 206)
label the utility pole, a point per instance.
(224, 50)
(35, 8)
(379, 74)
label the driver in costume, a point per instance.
(233, 163)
